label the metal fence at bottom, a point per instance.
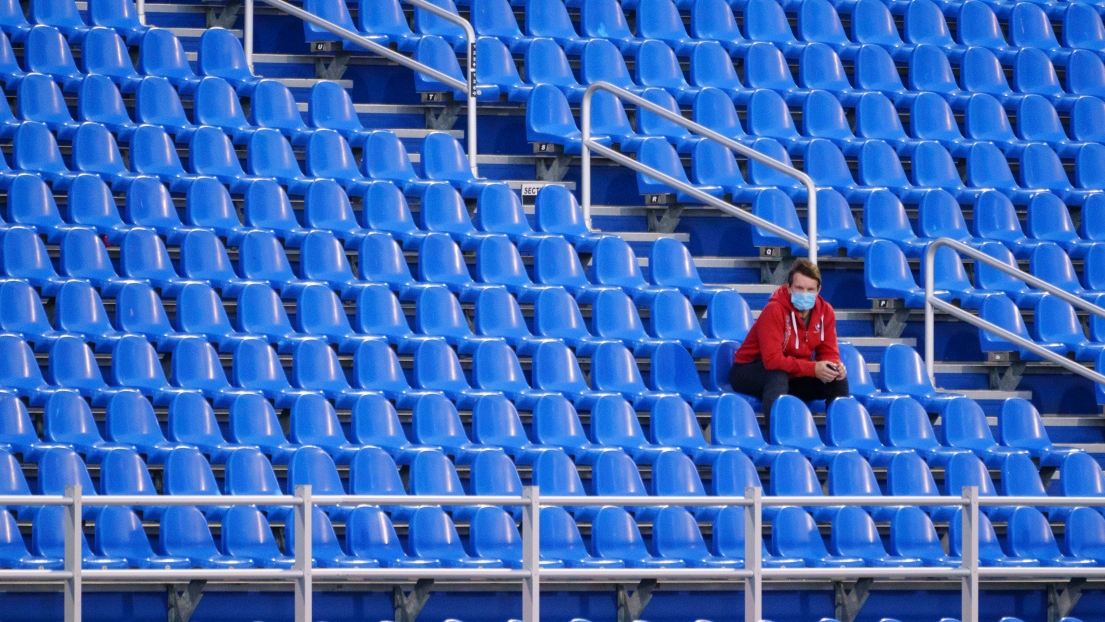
(751, 577)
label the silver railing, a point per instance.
(589, 145)
(752, 576)
(932, 303)
(469, 87)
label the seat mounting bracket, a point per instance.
(446, 119)
(181, 605)
(333, 70)
(1060, 603)
(224, 18)
(631, 606)
(848, 603)
(408, 606)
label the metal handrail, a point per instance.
(809, 242)
(468, 87)
(932, 303)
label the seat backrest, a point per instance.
(556, 423)
(615, 535)
(221, 54)
(877, 118)
(908, 426)
(615, 473)
(904, 371)
(614, 423)
(60, 467)
(555, 472)
(792, 474)
(613, 368)
(73, 365)
(555, 368)
(673, 423)
(848, 424)
(498, 315)
(794, 534)
(967, 470)
(1052, 264)
(433, 474)
(435, 421)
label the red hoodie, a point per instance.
(784, 342)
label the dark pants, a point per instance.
(753, 379)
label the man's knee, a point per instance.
(777, 381)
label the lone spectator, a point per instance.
(792, 348)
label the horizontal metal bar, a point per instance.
(153, 575)
(693, 191)
(1034, 501)
(1040, 573)
(650, 501)
(174, 500)
(35, 575)
(882, 501)
(863, 573)
(416, 500)
(368, 44)
(635, 574)
(412, 574)
(1031, 346)
(34, 500)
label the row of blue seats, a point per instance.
(46, 50)
(714, 20)
(930, 118)
(64, 15)
(247, 471)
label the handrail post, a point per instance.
(140, 8)
(470, 35)
(247, 34)
(969, 611)
(74, 531)
(531, 554)
(809, 240)
(468, 86)
(585, 159)
(930, 320)
(304, 558)
(753, 555)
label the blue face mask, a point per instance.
(803, 301)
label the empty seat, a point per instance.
(1030, 537)
(313, 421)
(119, 533)
(495, 367)
(246, 535)
(221, 55)
(849, 425)
(185, 533)
(433, 536)
(436, 422)
(907, 375)
(1020, 426)
(855, 535)
(908, 427)
(370, 535)
(794, 534)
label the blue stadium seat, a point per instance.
(498, 315)
(192, 422)
(792, 426)
(614, 317)
(80, 311)
(446, 212)
(658, 67)
(555, 472)
(764, 21)
(712, 68)
(614, 473)
(1049, 221)
(1038, 121)
(498, 262)
(1085, 534)
(549, 120)
(793, 475)
(908, 427)
(906, 374)
(436, 422)
(59, 468)
(499, 75)
(675, 474)
(40, 99)
(933, 167)
(557, 263)
(433, 536)
(912, 535)
(930, 70)
(794, 534)
(316, 368)
(499, 210)
(614, 424)
(672, 370)
(426, 23)
(386, 19)
(22, 313)
(249, 472)
(314, 467)
(203, 258)
(931, 118)
(849, 425)
(376, 368)
(184, 533)
(875, 69)
(136, 365)
(253, 422)
(615, 536)
(1030, 537)
(261, 258)
(495, 19)
(391, 215)
(545, 63)
(615, 370)
(270, 155)
(555, 368)
(260, 312)
(564, 543)
(257, 367)
(17, 432)
(434, 51)
(313, 421)
(157, 103)
(887, 274)
(546, 18)
(981, 72)
(438, 313)
(196, 366)
(850, 475)
(130, 421)
(329, 156)
(383, 481)
(557, 316)
(733, 424)
(73, 366)
(495, 367)
(1056, 322)
(47, 51)
(440, 261)
(375, 422)
(370, 535)
(326, 551)
(48, 541)
(334, 12)
(823, 117)
(495, 422)
(216, 104)
(556, 425)
(212, 154)
(820, 68)
(161, 54)
(992, 279)
(20, 373)
(996, 219)
(247, 535)
(988, 168)
(1052, 264)
(950, 276)
(119, 533)
(1020, 426)
(103, 52)
(1020, 478)
(319, 311)
(880, 166)
(330, 106)
(676, 536)
(855, 535)
(386, 158)
(601, 61)
(603, 19)
(673, 424)
(989, 547)
(221, 55)
(323, 259)
(965, 427)
(967, 470)
(977, 25)
(386, 316)
(12, 482)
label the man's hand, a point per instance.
(825, 372)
